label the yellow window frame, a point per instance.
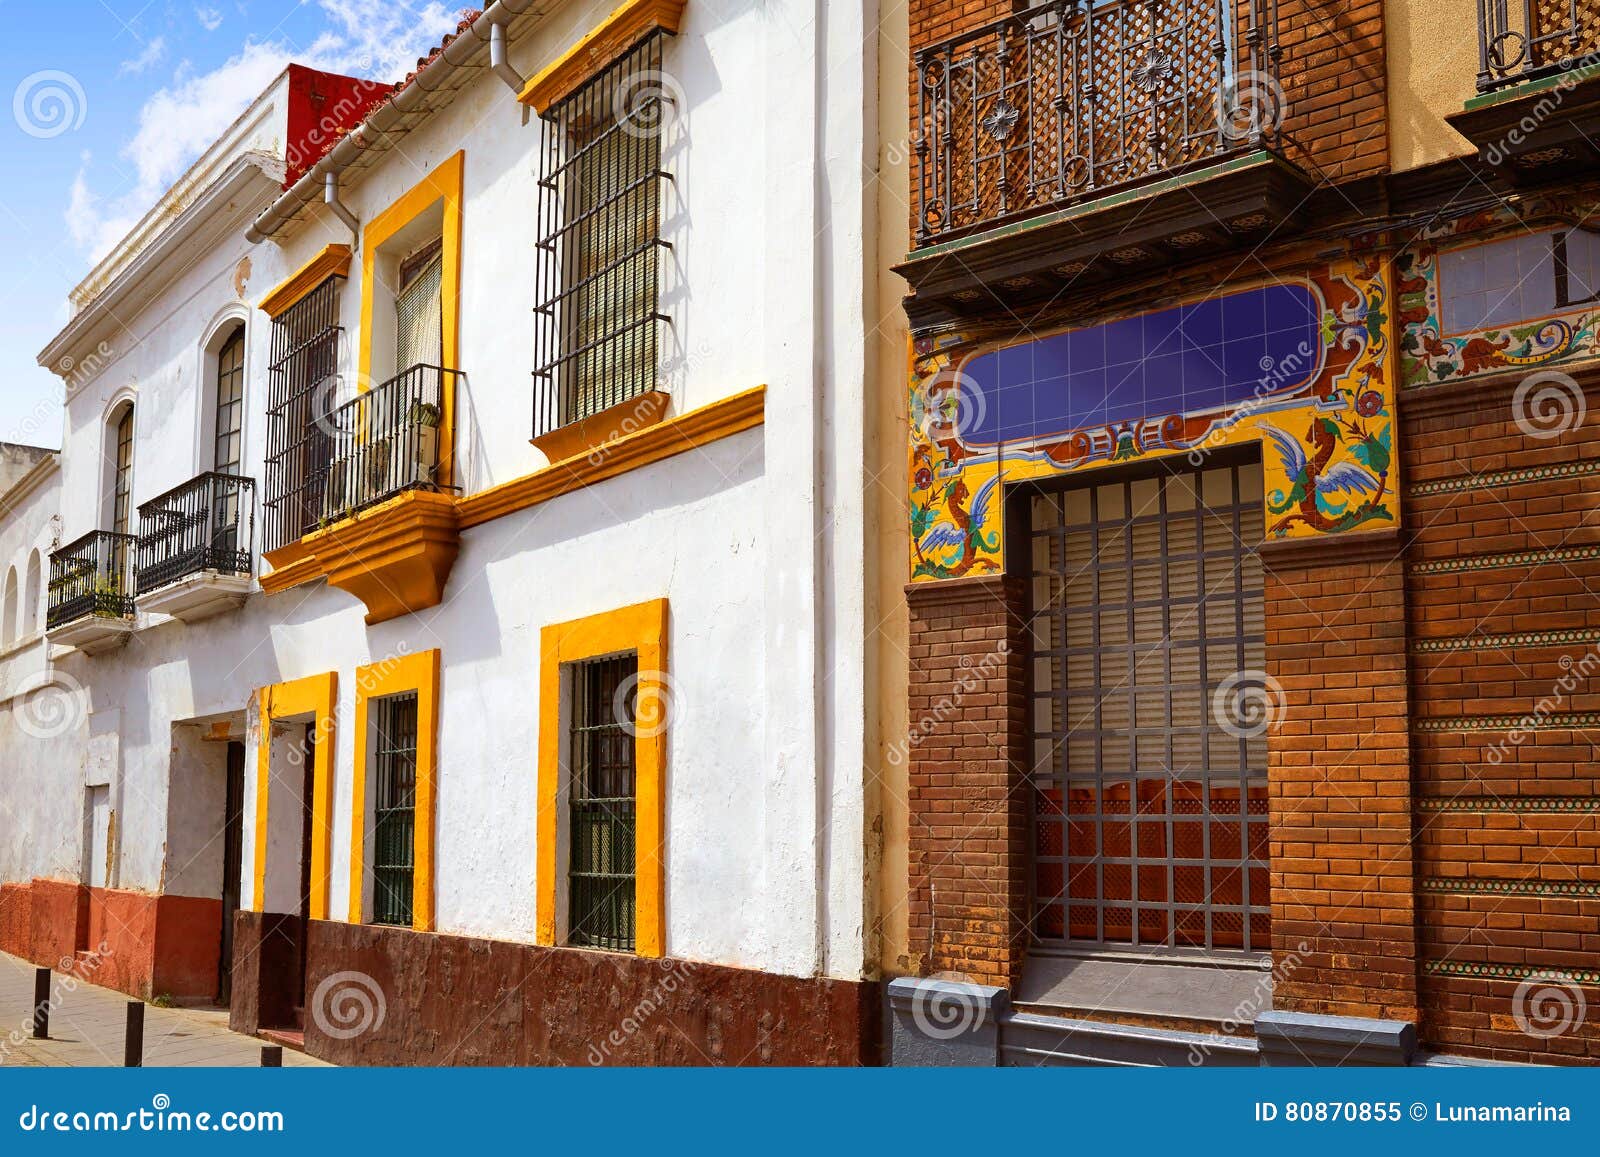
(443, 184)
(419, 673)
(641, 628)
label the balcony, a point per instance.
(1065, 143)
(196, 548)
(91, 592)
(1537, 112)
(370, 512)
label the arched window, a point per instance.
(31, 616)
(122, 472)
(8, 628)
(228, 443)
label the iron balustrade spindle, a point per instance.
(91, 576)
(1076, 97)
(205, 525)
(1526, 40)
(598, 313)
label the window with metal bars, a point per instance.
(1149, 804)
(122, 479)
(301, 400)
(602, 800)
(394, 809)
(598, 315)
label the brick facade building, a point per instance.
(1252, 457)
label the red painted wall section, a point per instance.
(323, 107)
(16, 919)
(189, 946)
(60, 921)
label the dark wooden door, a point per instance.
(232, 867)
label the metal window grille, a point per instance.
(207, 524)
(122, 483)
(598, 314)
(395, 809)
(602, 795)
(1520, 40)
(1149, 804)
(1066, 100)
(302, 384)
(227, 449)
(91, 576)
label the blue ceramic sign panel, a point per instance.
(1182, 360)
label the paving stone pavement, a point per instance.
(87, 1025)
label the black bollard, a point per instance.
(41, 1004)
(272, 1056)
(133, 1046)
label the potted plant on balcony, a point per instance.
(424, 421)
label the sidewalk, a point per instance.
(87, 1025)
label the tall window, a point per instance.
(395, 810)
(1150, 772)
(122, 477)
(227, 451)
(300, 399)
(600, 224)
(602, 800)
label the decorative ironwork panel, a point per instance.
(598, 317)
(602, 793)
(92, 576)
(207, 524)
(1522, 40)
(1070, 99)
(1149, 784)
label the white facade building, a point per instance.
(444, 589)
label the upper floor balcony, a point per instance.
(90, 603)
(1537, 112)
(196, 547)
(1066, 142)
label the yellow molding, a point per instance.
(315, 695)
(446, 184)
(620, 31)
(698, 427)
(419, 673)
(641, 628)
(290, 574)
(330, 261)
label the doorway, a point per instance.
(232, 866)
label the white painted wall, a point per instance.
(756, 541)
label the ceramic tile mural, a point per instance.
(1299, 363)
(1499, 290)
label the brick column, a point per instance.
(967, 762)
(1340, 779)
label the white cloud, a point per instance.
(210, 18)
(154, 50)
(177, 123)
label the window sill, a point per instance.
(590, 435)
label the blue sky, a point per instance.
(103, 103)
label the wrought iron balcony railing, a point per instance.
(205, 525)
(378, 444)
(92, 576)
(1073, 98)
(1522, 40)
(386, 441)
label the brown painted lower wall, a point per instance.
(134, 942)
(381, 996)
(266, 967)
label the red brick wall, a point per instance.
(968, 836)
(1508, 849)
(1339, 776)
(1334, 77)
